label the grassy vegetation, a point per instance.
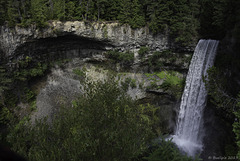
(79, 72)
(171, 82)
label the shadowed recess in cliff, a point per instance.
(60, 47)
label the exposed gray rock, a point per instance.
(63, 85)
(111, 34)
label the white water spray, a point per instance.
(189, 133)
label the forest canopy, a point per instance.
(183, 19)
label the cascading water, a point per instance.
(189, 134)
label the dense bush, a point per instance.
(236, 125)
(102, 124)
(165, 150)
(122, 57)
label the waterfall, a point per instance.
(189, 134)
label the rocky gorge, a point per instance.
(68, 53)
(73, 47)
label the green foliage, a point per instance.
(155, 59)
(105, 32)
(60, 62)
(124, 58)
(133, 83)
(151, 114)
(228, 106)
(143, 51)
(170, 77)
(172, 82)
(79, 72)
(12, 13)
(216, 85)
(11, 99)
(3, 11)
(102, 124)
(165, 150)
(137, 18)
(38, 8)
(218, 17)
(70, 9)
(28, 95)
(28, 69)
(59, 9)
(178, 17)
(5, 116)
(4, 81)
(236, 126)
(33, 106)
(128, 82)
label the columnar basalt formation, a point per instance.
(72, 34)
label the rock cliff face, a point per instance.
(84, 43)
(71, 35)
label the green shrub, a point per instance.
(236, 126)
(29, 95)
(125, 58)
(143, 51)
(128, 81)
(5, 115)
(165, 150)
(155, 61)
(28, 69)
(151, 114)
(170, 77)
(5, 81)
(79, 72)
(33, 105)
(133, 83)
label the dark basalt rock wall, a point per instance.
(63, 36)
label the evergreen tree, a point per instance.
(3, 11)
(174, 16)
(101, 9)
(183, 26)
(91, 10)
(4, 83)
(38, 8)
(25, 12)
(59, 9)
(12, 13)
(159, 14)
(80, 9)
(112, 10)
(70, 10)
(124, 15)
(50, 11)
(137, 17)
